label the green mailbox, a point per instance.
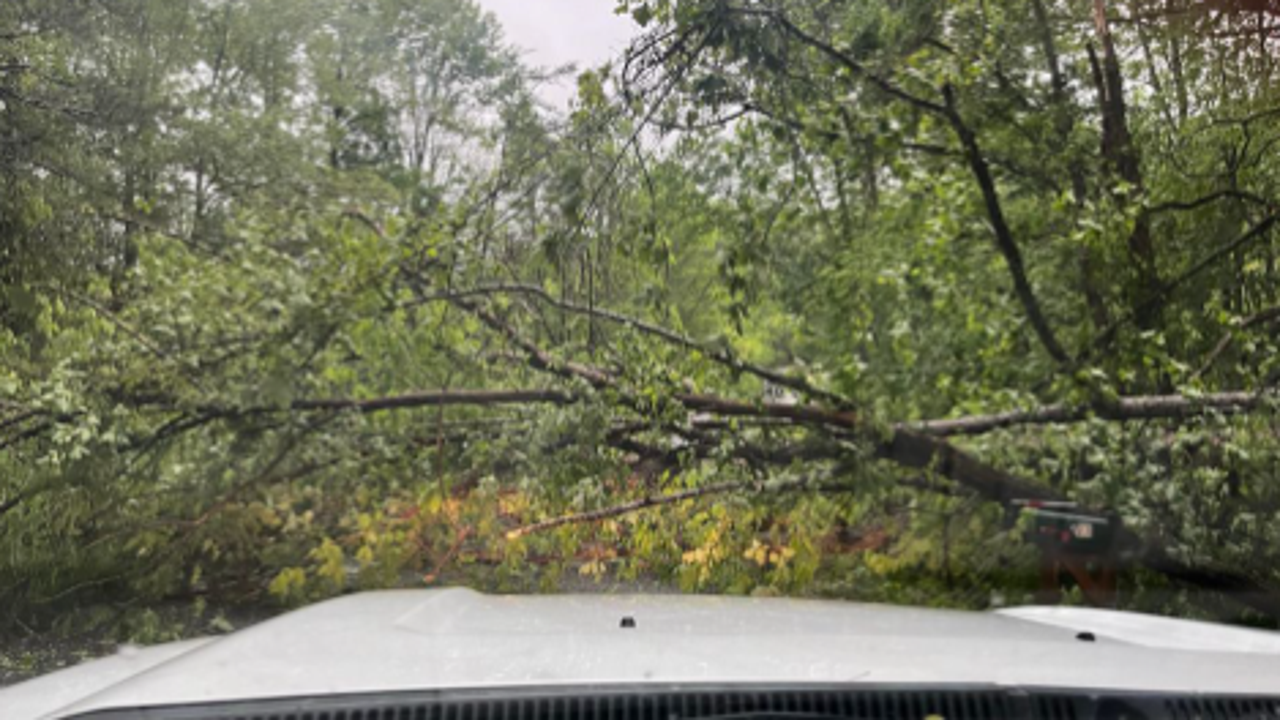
(1060, 526)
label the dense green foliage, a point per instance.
(799, 297)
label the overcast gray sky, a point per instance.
(556, 32)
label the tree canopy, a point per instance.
(797, 297)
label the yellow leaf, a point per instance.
(288, 583)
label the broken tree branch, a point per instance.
(436, 399)
(720, 356)
(403, 401)
(536, 357)
(1148, 407)
(904, 446)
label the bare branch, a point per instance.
(363, 219)
(1253, 233)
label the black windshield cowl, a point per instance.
(685, 702)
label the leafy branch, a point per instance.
(1150, 407)
(719, 356)
(949, 113)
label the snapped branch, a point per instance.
(719, 356)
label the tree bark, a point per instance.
(1005, 242)
(1064, 125)
(1121, 154)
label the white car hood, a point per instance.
(451, 639)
